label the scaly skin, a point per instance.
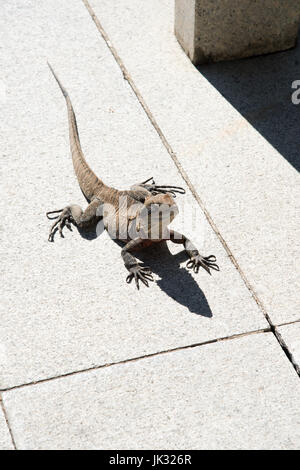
(136, 217)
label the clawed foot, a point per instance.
(64, 219)
(206, 263)
(139, 273)
(161, 189)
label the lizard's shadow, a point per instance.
(89, 234)
(175, 280)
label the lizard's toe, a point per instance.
(63, 219)
(206, 263)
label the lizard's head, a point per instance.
(163, 204)
(159, 211)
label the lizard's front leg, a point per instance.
(73, 214)
(136, 270)
(196, 260)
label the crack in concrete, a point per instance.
(287, 351)
(134, 359)
(287, 323)
(184, 175)
(7, 423)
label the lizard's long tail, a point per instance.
(89, 183)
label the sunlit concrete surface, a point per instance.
(236, 394)
(66, 307)
(290, 334)
(236, 133)
(5, 438)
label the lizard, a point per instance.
(131, 216)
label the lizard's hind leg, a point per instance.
(73, 214)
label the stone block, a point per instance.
(211, 31)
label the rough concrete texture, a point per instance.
(66, 306)
(211, 31)
(236, 148)
(185, 26)
(5, 439)
(234, 394)
(291, 337)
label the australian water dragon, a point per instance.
(138, 217)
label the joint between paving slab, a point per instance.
(184, 175)
(134, 359)
(7, 423)
(287, 323)
(286, 350)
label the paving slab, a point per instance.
(243, 164)
(66, 306)
(291, 337)
(235, 394)
(5, 439)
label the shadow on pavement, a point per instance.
(175, 281)
(260, 88)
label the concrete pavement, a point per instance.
(221, 395)
(5, 437)
(66, 308)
